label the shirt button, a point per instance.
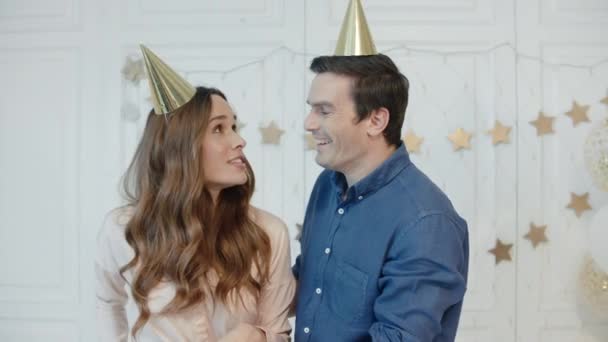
(306, 330)
(327, 250)
(318, 291)
(340, 211)
(360, 198)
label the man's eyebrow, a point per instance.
(320, 104)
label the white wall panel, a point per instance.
(37, 331)
(192, 13)
(39, 159)
(64, 143)
(39, 15)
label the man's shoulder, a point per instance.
(421, 194)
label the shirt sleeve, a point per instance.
(423, 276)
(278, 294)
(111, 295)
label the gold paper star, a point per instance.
(579, 203)
(578, 113)
(536, 235)
(605, 100)
(501, 251)
(271, 134)
(500, 133)
(299, 235)
(311, 143)
(412, 142)
(460, 139)
(544, 124)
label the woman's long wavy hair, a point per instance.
(177, 232)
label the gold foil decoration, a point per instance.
(543, 124)
(460, 139)
(412, 142)
(500, 133)
(579, 203)
(271, 134)
(169, 90)
(578, 113)
(501, 251)
(536, 234)
(355, 38)
(596, 154)
(593, 282)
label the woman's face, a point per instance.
(224, 164)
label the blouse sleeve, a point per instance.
(111, 295)
(272, 323)
(278, 294)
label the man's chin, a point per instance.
(322, 162)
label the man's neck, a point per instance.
(366, 165)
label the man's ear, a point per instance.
(377, 121)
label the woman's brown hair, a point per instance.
(177, 232)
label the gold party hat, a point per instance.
(169, 90)
(355, 39)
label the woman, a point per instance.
(200, 262)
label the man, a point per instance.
(384, 254)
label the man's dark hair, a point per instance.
(377, 83)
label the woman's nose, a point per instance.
(239, 141)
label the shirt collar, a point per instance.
(383, 174)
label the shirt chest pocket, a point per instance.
(348, 293)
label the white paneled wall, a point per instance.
(64, 142)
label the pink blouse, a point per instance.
(238, 320)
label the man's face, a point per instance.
(341, 140)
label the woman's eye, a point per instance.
(217, 129)
(234, 128)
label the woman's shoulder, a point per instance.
(273, 225)
(115, 221)
(112, 246)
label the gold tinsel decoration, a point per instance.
(593, 282)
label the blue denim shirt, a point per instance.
(387, 263)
